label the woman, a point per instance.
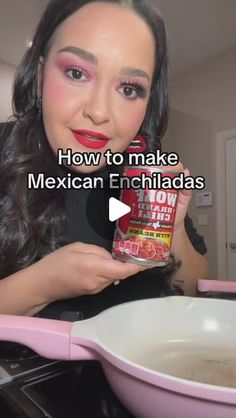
(84, 72)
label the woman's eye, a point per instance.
(133, 91)
(129, 92)
(76, 74)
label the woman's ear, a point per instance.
(40, 77)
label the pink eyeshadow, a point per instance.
(67, 62)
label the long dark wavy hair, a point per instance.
(32, 220)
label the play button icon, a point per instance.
(117, 209)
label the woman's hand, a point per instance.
(184, 199)
(80, 269)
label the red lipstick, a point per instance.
(90, 139)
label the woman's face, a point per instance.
(97, 78)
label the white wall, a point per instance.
(209, 91)
(7, 73)
(203, 102)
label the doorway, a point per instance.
(226, 204)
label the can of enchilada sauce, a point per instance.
(144, 235)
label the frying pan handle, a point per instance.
(49, 338)
(217, 286)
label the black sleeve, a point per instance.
(196, 239)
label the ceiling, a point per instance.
(196, 29)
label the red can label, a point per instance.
(144, 235)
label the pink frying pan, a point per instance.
(164, 358)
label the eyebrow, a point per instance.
(88, 56)
(134, 72)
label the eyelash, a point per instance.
(78, 69)
(141, 91)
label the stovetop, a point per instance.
(17, 360)
(35, 387)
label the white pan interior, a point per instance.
(191, 338)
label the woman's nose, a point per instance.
(97, 107)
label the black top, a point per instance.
(88, 222)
